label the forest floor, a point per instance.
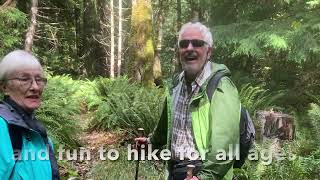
(97, 168)
(92, 141)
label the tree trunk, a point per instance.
(32, 29)
(178, 15)
(112, 40)
(92, 51)
(159, 32)
(8, 3)
(194, 7)
(119, 57)
(141, 42)
(201, 10)
(276, 125)
(77, 30)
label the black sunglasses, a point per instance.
(195, 43)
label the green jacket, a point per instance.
(215, 125)
(34, 163)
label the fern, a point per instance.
(256, 98)
(296, 36)
(58, 109)
(314, 115)
(126, 105)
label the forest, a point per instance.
(107, 62)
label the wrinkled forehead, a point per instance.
(31, 71)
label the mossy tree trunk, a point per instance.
(141, 43)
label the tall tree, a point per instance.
(119, 56)
(178, 14)
(7, 3)
(141, 42)
(159, 21)
(93, 53)
(32, 29)
(112, 39)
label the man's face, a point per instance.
(193, 56)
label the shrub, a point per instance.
(126, 105)
(13, 24)
(122, 168)
(58, 108)
(314, 115)
(256, 98)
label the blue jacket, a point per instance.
(34, 162)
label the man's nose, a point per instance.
(190, 46)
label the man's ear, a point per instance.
(209, 53)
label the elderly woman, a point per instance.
(25, 150)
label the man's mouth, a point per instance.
(191, 56)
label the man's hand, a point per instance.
(193, 178)
(139, 141)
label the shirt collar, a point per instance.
(201, 78)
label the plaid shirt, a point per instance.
(183, 145)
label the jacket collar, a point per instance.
(8, 113)
(19, 117)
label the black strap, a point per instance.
(213, 83)
(53, 160)
(15, 133)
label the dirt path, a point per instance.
(92, 141)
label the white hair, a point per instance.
(17, 60)
(202, 28)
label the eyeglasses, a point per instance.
(195, 43)
(27, 81)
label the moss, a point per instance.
(141, 43)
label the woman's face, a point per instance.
(25, 87)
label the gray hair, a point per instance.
(202, 28)
(16, 60)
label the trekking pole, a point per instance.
(140, 133)
(190, 168)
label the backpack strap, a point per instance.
(247, 131)
(213, 83)
(15, 133)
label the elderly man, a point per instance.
(193, 128)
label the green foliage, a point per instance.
(12, 26)
(122, 168)
(256, 98)
(314, 115)
(57, 27)
(87, 95)
(293, 165)
(58, 108)
(295, 37)
(66, 170)
(300, 167)
(127, 105)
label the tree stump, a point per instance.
(276, 125)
